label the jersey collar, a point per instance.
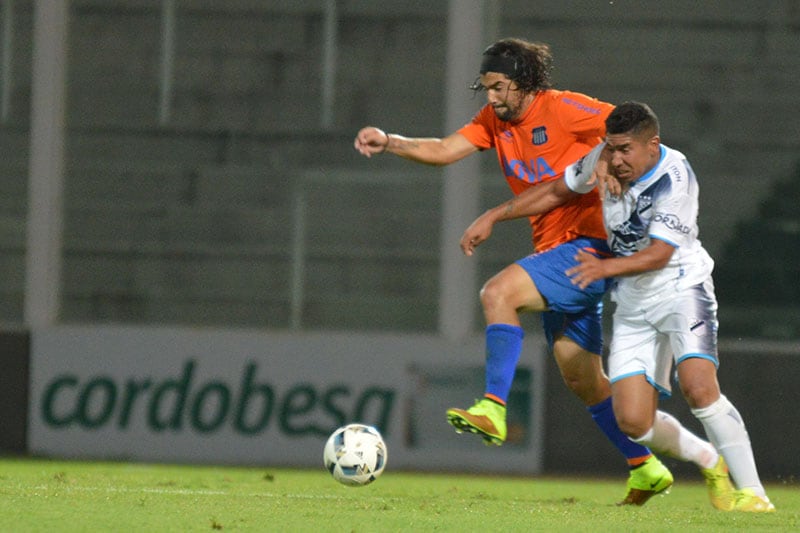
(649, 174)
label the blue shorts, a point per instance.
(574, 312)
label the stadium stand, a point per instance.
(194, 221)
(758, 269)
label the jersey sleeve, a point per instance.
(479, 131)
(578, 175)
(675, 218)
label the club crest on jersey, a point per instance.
(539, 135)
(644, 203)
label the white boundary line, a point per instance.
(182, 492)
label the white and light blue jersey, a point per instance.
(662, 204)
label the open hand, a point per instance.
(588, 270)
(476, 233)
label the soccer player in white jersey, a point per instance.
(666, 307)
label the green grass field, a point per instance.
(41, 495)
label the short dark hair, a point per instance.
(533, 62)
(635, 118)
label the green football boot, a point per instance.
(486, 418)
(647, 480)
(720, 488)
(746, 501)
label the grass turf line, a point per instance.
(43, 495)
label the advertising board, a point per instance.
(244, 397)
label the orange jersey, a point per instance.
(557, 129)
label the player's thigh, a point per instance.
(513, 288)
(573, 359)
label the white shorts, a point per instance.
(648, 340)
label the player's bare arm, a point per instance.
(430, 150)
(591, 268)
(534, 201)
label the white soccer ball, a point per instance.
(355, 454)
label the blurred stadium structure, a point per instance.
(210, 177)
(209, 180)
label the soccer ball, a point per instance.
(355, 454)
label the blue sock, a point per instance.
(503, 346)
(603, 416)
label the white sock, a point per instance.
(725, 429)
(668, 436)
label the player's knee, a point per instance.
(698, 382)
(587, 380)
(589, 388)
(632, 420)
(492, 295)
(574, 383)
(632, 425)
(699, 394)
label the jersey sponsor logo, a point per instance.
(582, 106)
(507, 136)
(672, 222)
(535, 171)
(539, 135)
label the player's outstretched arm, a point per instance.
(533, 201)
(431, 150)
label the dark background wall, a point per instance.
(15, 365)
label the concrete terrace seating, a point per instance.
(224, 237)
(250, 65)
(757, 275)
(192, 221)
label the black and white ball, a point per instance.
(355, 454)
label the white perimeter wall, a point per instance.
(241, 397)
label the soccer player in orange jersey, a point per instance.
(536, 132)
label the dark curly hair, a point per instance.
(533, 63)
